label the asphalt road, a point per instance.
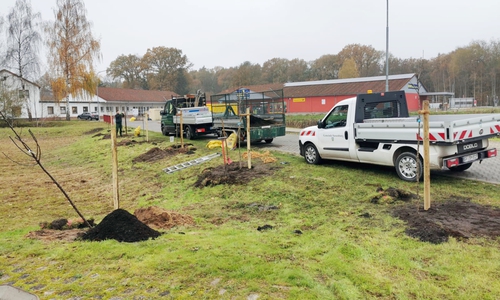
(486, 171)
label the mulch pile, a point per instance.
(122, 226)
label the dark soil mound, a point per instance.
(232, 174)
(122, 226)
(95, 130)
(457, 218)
(156, 153)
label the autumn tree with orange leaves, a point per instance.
(72, 50)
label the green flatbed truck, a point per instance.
(267, 114)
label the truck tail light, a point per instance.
(452, 162)
(492, 152)
(200, 130)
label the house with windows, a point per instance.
(106, 101)
(19, 97)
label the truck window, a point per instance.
(338, 117)
(387, 109)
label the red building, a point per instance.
(320, 96)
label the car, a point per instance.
(88, 116)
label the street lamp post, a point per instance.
(387, 51)
(97, 94)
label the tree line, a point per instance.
(468, 71)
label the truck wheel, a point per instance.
(460, 168)
(311, 154)
(164, 131)
(406, 166)
(188, 132)
(268, 141)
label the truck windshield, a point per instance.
(338, 117)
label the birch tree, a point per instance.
(23, 43)
(72, 51)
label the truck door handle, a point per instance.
(346, 135)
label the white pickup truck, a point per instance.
(376, 128)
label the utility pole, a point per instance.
(387, 50)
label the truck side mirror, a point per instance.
(162, 112)
(321, 124)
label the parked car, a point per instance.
(88, 116)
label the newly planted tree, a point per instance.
(36, 155)
(72, 51)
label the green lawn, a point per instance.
(339, 255)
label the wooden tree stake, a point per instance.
(248, 139)
(114, 155)
(427, 171)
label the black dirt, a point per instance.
(265, 227)
(122, 226)
(458, 218)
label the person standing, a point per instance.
(118, 121)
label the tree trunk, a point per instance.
(67, 108)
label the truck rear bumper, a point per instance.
(470, 157)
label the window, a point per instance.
(50, 110)
(85, 109)
(387, 109)
(74, 110)
(63, 109)
(24, 94)
(16, 111)
(102, 109)
(337, 118)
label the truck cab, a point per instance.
(188, 114)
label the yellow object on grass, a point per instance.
(231, 141)
(137, 131)
(214, 144)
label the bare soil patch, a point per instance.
(94, 131)
(233, 174)
(68, 235)
(160, 218)
(157, 153)
(456, 217)
(119, 225)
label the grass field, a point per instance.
(339, 255)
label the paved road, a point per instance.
(487, 171)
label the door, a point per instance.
(334, 135)
(168, 116)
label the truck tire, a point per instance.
(164, 131)
(311, 154)
(406, 166)
(268, 141)
(460, 168)
(188, 132)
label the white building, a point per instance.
(106, 101)
(19, 97)
(41, 104)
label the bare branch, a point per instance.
(36, 155)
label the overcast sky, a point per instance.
(229, 32)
